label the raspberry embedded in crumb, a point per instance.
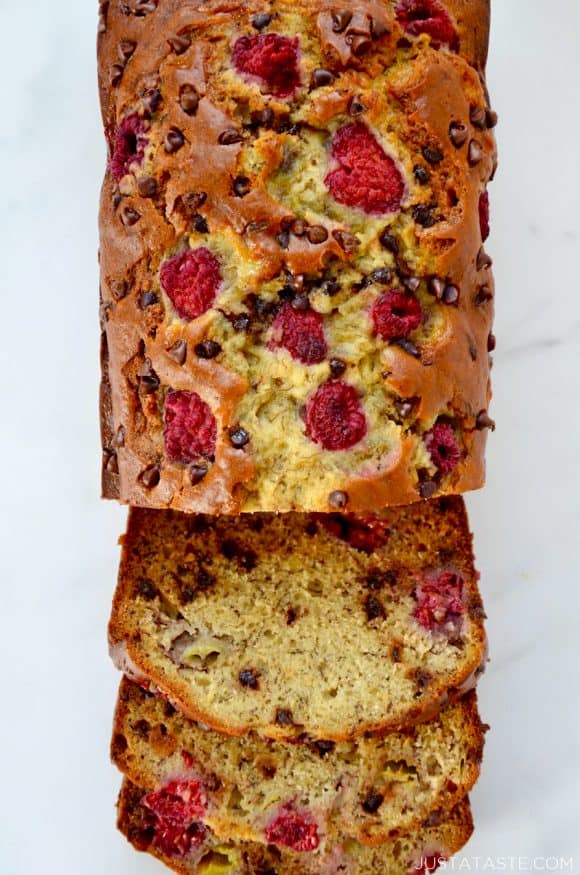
(177, 841)
(270, 58)
(178, 803)
(484, 215)
(128, 147)
(396, 314)
(292, 830)
(439, 600)
(430, 17)
(364, 533)
(190, 428)
(191, 281)
(301, 332)
(335, 417)
(366, 178)
(443, 447)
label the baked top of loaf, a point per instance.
(373, 789)
(329, 625)
(199, 852)
(296, 303)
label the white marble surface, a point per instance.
(58, 542)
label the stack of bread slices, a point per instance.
(296, 316)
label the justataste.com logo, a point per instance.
(495, 864)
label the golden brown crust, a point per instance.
(427, 90)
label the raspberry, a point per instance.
(292, 830)
(128, 147)
(191, 281)
(177, 841)
(440, 602)
(428, 863)
(190, 428)
(271, 58)
(443, 448)
(367, 178)
(334, 416)
(364, 533)
(430, 17)
(178, 803)
(484, 215)
(396, 314)
(301, 332)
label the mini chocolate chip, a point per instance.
(436, 286)
(239, 438)
(291, 616)
(119, 440)
(317, 234)
(378, 28)
(205, 580)
(427, 489)
(484, 294)
(300, 302)
(242, 186)
(116, 74)
(322, 77)
(411, 283)
(199, 223)
(389, 242)
(147, 186)
(421, 173)
(197, 473)
(359, 44)
(142, 728)
(473, 352)
(407, 347)
(484, 421)
(330, 288)
(284, 717)
(283, 239)
(242, 323)
(405, 406)
(129, 216)
(475, 153)
(340, 20)
(173, 141)
(148, 379)
(230, 137)
(111, 463)
(178, 352)
(491, 343)
(261, 20)
(348, 242)
(356, 106)
(147, 589)
(338, 499)
(298, 227)
(491, 118)
(249, 678)
(189, 99)
(483, 260)
(125, 50)
(458, 134)
(451, 294)
(337, 368)
(374, 608)
(179, 43)
(193, 200)
(147, 299)
(207, 349)
(152, 100)
(477, 117)
(432, 154)
(324, 747)
(264, 118)
(423, 215)
(373, 802)
(119, 289)
(382, 275)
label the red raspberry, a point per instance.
(484, 215)
(364, 533)
(367, 178)
(430, 17)
(292, 830)
(128, 147)
(334, 416)
(301, 332)
(439, 600)
(427, 864)
(175, 841)
(191, 280)
(443, 447)
(396, 314)
(178, 803)
(271, 58)
(190, 428)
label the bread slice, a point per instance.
(327, 626)
(198, 852)
(372, 789)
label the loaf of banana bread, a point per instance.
(296, 301)
(185, 845)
